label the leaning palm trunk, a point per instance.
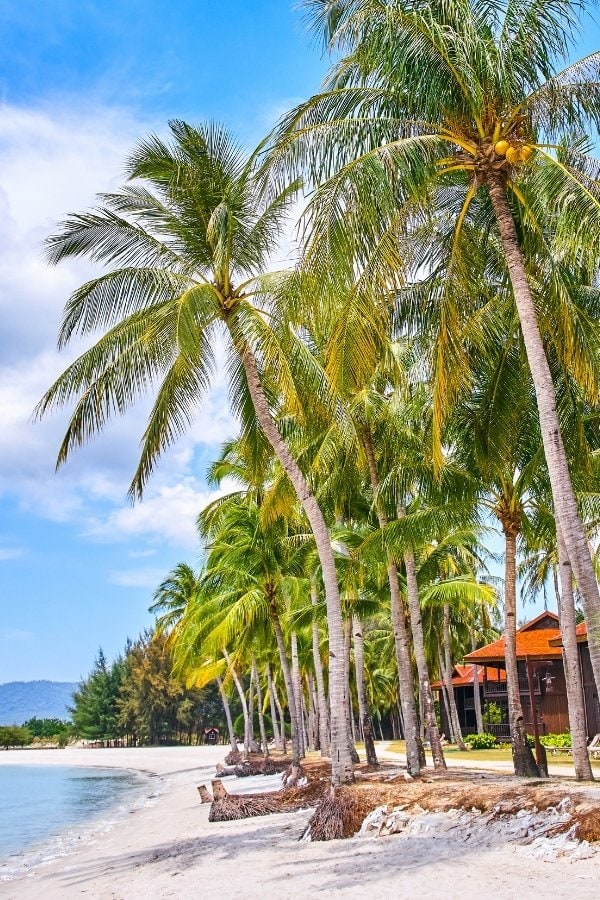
(476, 694)
(289, 686)
(276, 732)
(242, 696)
(563, 496)
(261, 717)
(577, 722)
(416, 626)
(298, 694)
(226, 707)
(341, 763)
(523, 760)
(361, 690)
(324, 738)
(401, 641)
(448, 680)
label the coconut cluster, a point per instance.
(514, 153)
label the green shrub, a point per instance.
(493, 713)
(483, 741)
(556, 740)
(14, 736)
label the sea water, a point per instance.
(43, 809)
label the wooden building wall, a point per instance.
(590, 692)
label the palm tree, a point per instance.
(171, 599)
(456, 111)
(187, 243)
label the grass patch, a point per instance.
(496, 755)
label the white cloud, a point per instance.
(137, 578)
(10, 553)
(52, 162)
(168, 514)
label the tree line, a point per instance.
(136, 700)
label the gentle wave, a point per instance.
(46, 811)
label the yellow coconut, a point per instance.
(512, 154)
(501, 147)
(525, 153)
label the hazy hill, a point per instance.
(21, 700)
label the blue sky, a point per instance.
(80, 82)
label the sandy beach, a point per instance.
(168, 849)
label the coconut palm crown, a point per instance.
(186, 244)
(449, 126)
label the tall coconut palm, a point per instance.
(458, 110)
(187, 242)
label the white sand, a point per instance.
(170, 850)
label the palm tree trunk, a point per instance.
(566, 610)
(361, 690)
(444, 694)
(565, 506)
(276, 732)
(348, 704)
(242, 696)
(342, 771)
(251, 740)
(289, 685)
(324, 737)
(523, 760)
(401, 641)
(281, 718)
(313, 714)
(305, 721)
(261, 718)
(298, 694)
(476, 693)
(448, 680)
(416, 626)
(226, 707)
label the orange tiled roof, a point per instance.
(580, 631)
(534, 643)
(463, 675)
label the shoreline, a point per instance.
(168, 849)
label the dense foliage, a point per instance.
(137, 700)
(14, 736)
(430, 366)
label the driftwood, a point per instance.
(339, 814)
(248, 767)
(205, 794)
(233, 758)
(227, 807)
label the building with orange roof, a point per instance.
(539, 644)
(463, 683)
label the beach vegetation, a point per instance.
(14, 736)
(426, 374)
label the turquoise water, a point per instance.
(40, 805)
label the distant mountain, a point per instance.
(22, 700)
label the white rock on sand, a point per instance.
(170, 850)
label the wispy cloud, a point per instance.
(11, 553)
(53, 162)
(137, 578)
(16, 634)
